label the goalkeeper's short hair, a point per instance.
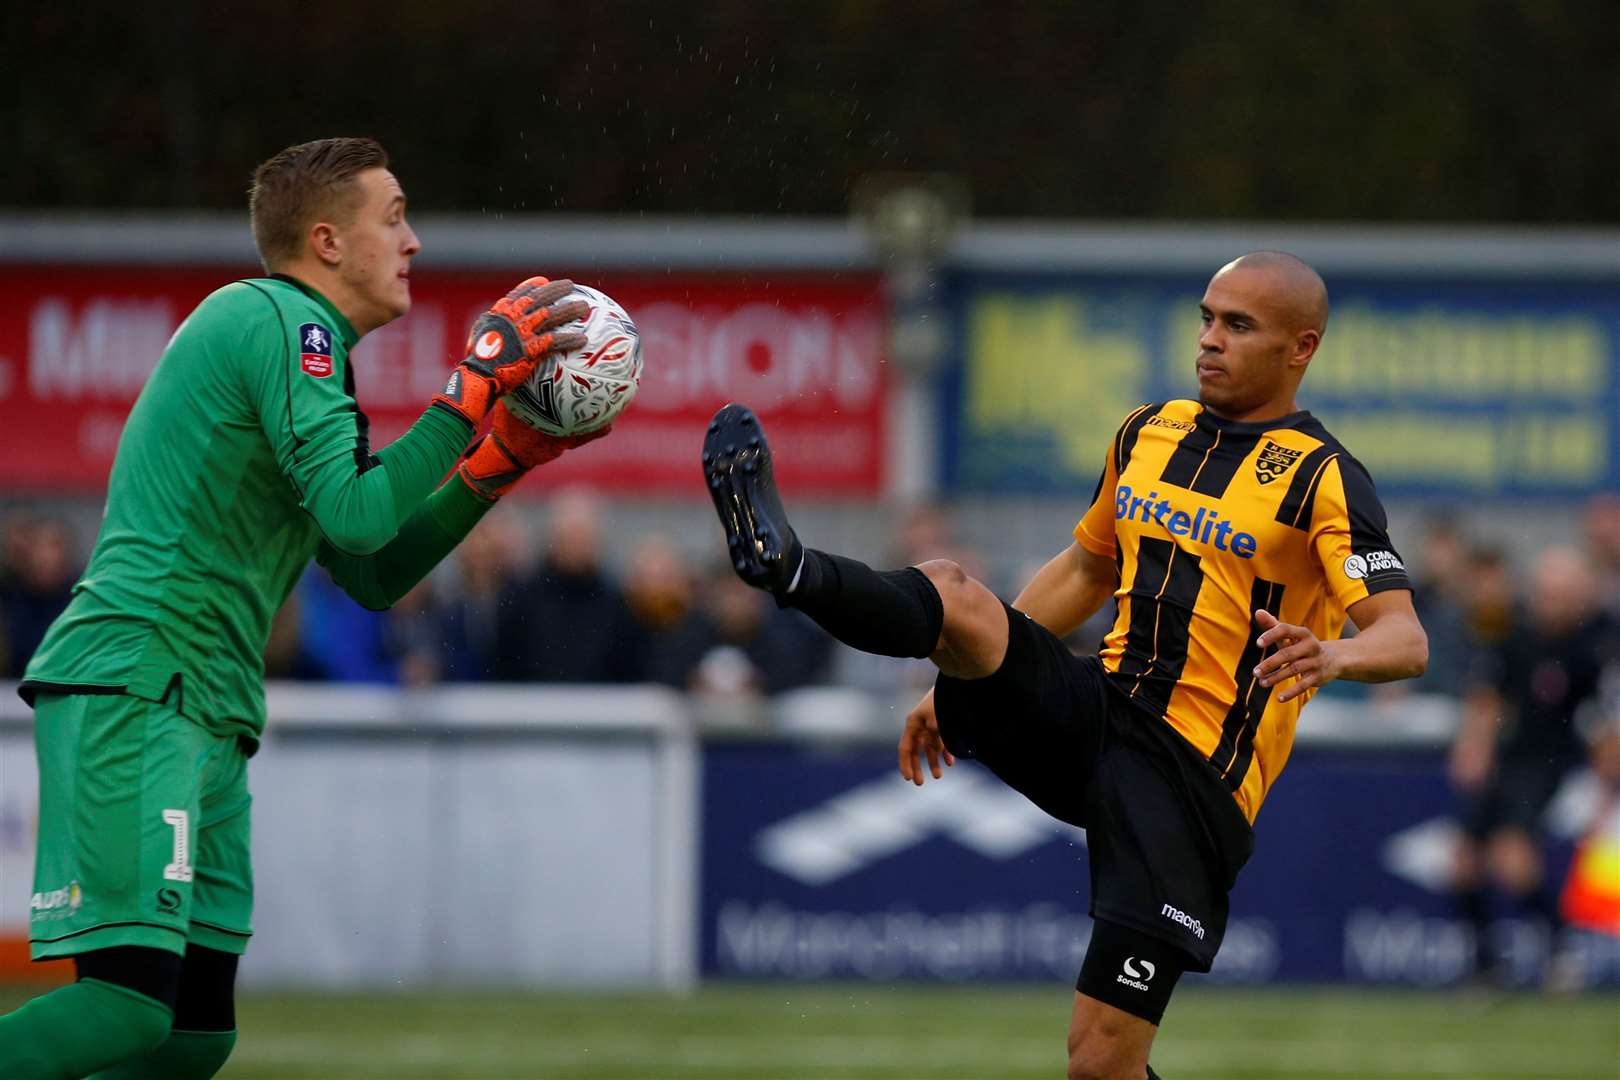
(302, 184)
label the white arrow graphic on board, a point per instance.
(884, 817)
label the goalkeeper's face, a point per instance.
(378, 245)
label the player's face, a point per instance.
(1244, 348)
(377, 249)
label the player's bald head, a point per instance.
(1296, 291)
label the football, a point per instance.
(583, 390)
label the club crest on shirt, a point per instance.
(315, 349)
(1274, 461)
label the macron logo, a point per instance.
(1184, 919)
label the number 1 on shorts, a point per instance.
(180, 868)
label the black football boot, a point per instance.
(737, 468)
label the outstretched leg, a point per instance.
(933, 610)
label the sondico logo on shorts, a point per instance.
(58, 903)
(1176, 915)
(1357, 567)
(1138, 973)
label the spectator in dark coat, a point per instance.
(568, 621)
(36, 582)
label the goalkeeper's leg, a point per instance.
(933, 610)
(204, 1031)
(122, 1006)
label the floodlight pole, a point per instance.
(910, 221)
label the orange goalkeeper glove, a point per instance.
(507, 343)
(511, 449)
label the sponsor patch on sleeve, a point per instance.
(1374, 566)
(315, 349)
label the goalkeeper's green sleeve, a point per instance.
(377, 580)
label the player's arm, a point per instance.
(360, 500)
(378, 580)
(1474, 750)
(1479, 720)
(1350, 538)
(1076, 582)
(1389, 644)
(432, 531)
(1069, 589)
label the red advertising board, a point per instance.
(805, 351)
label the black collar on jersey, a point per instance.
(1206, 418)
(295, 283)
(345, 329)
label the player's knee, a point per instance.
(948, 577)
(974, 622)
(146, 1030)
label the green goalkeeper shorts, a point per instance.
(143, 830)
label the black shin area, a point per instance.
(152, 972)
(207, 997)
(888, 612)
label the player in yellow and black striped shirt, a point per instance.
(1210, 520)
(1236, 536)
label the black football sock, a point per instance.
(1151, 1074)
(888, 612)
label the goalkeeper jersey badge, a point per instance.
(315, 349)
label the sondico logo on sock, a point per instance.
(1138, 973)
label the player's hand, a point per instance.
(920, 739)
(508, 342)
(511, 449)
(1299, 656)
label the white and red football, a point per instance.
(583, 390)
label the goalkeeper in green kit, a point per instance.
(245, 455)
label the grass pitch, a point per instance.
(788, 1032)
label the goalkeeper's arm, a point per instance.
(489, 470)
(359, 500)
(378, 580)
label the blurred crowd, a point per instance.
(509, 607)
(493, 613)
(1529, 653)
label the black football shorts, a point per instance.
(1165, 836)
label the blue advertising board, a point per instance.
(822, 863)
(1458, 389)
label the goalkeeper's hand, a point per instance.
(511, 449)
(508, 342)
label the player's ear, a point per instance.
(325, 244)
(1305, 346)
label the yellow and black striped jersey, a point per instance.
(1208, 519)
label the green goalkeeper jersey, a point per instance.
(245, 455)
